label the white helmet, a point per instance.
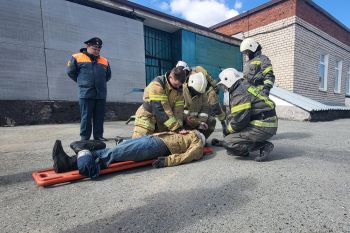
(200, 136)
(198, 82)
(249, 44)
(228, 77)
(184, 65)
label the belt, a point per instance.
(264, 115)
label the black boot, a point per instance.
(216, 142)
(159, 163)
(61, 161)
(90, 145)
(265, 152)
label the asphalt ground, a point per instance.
(304, 187)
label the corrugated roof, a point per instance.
(303, 102)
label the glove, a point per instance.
(203, 126)
(266, 91)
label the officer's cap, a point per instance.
(96, 42)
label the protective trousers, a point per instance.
(91, 111)
(248, 140)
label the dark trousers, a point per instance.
(92, 112)
(247, 140)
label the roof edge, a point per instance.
(248, 12)
(323, 11)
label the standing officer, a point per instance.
(258, 69)
(92, 72)
(251, 117)
(163, 106)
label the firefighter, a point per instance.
(211, 91)
(251, 117)
(162, 109)
(257, 68)
(196, 112)
(168, 148)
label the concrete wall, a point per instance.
(38, 37)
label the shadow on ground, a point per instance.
(173, 211)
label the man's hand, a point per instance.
(203, 126)
(266, 91)
(189, 120)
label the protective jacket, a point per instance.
(211, 91)
(183, 149)
(91, 73)
(196, 107)
(162, 109)
(258, 71)
(250, 108)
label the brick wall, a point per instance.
(308, 13)
(260, 18)
(277, 41)
(310, 42)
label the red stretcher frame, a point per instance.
(49, 177)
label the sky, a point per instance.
(211, 12)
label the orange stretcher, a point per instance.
(49, 177)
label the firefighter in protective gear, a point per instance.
(251, 117)
(258, 69)
(168, 148)
(196, 111)
(213, 98)
(162, 109)
(185, 67)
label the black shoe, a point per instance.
(216, 142)
(101, 139)
(265, 152)
(159, 163)
(90, 145)
(61, 161)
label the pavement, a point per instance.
(303, 187)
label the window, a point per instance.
(347, 88)
(337, 81)
(323, 72)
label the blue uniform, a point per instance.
(91, 74)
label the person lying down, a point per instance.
(167, 148)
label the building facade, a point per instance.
(309, 49)
(39, 36)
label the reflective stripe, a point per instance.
(170, 121)
(241, 107)
(180, 103)
(256, 62)
(202, 114)
(186, 112)
(268, 82)
(144, 123)
(268, 69)
(264, 124)
(230, 129)
(158, 97)
(221, 117)
(193, 113)
(255, 92)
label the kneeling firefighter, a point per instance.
(250, 119)
(196, 111)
